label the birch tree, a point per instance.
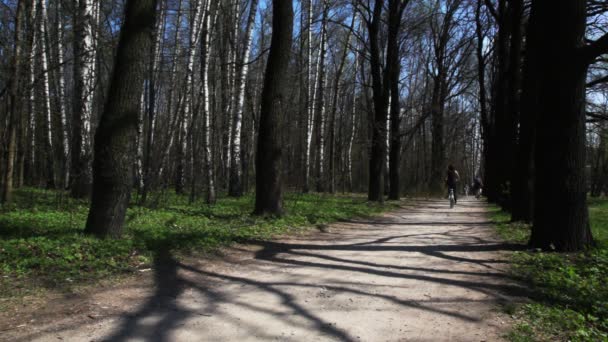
(84, 84)
(236, 171)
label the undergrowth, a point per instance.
(570, 291)
(42, 244)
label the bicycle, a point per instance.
(452, 198)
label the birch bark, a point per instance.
(236, 172)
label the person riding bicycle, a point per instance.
(477, 185)
(452, 181)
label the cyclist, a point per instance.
(452, 180)
(477, 185)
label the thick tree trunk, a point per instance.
(523, 178)
(561, 218)
(116, 134)
(377, 158)
(269, 192)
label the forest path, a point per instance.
(421, 273)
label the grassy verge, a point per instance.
(570, 291)
(42, 245)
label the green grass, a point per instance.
(42, 244)
(570, 291)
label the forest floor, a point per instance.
(421, 273)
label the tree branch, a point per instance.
(491, 8)
(597, 81)
(596, 117)
(596, 49)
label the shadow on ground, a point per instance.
(162, 313)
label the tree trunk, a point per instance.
(481, 80)
(310, 105)
(61, 97)
(393, 70)
(84, 74)
(320, 102)
(52, 167)
(269, 192)
(205, 55)
(561, 218)
(116, 134)
(378, 126)
(236, 171)
(523, 178)
(14, 106)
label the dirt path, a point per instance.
(423, 273)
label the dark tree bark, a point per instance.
(117, 131)
(561, 218)
(393, 70)
(378, 126)
(269, 192)
(14, 105)
(498, 161)
(523, 178)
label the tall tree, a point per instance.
(205, 56)
(269, 191)
(84, 83)
(320, 101)
(378, 126)
(561, 218)
(115, 137)
(236, 170)
(14, 103)
(392, 75)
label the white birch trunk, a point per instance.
(90, 20)
(46, 98)
(311, 100)
(44, 56)
(206, 112)
(32, 92)
(351, 139)
(139, 169)
(322, 83)
(236, 172)
(61, 93)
